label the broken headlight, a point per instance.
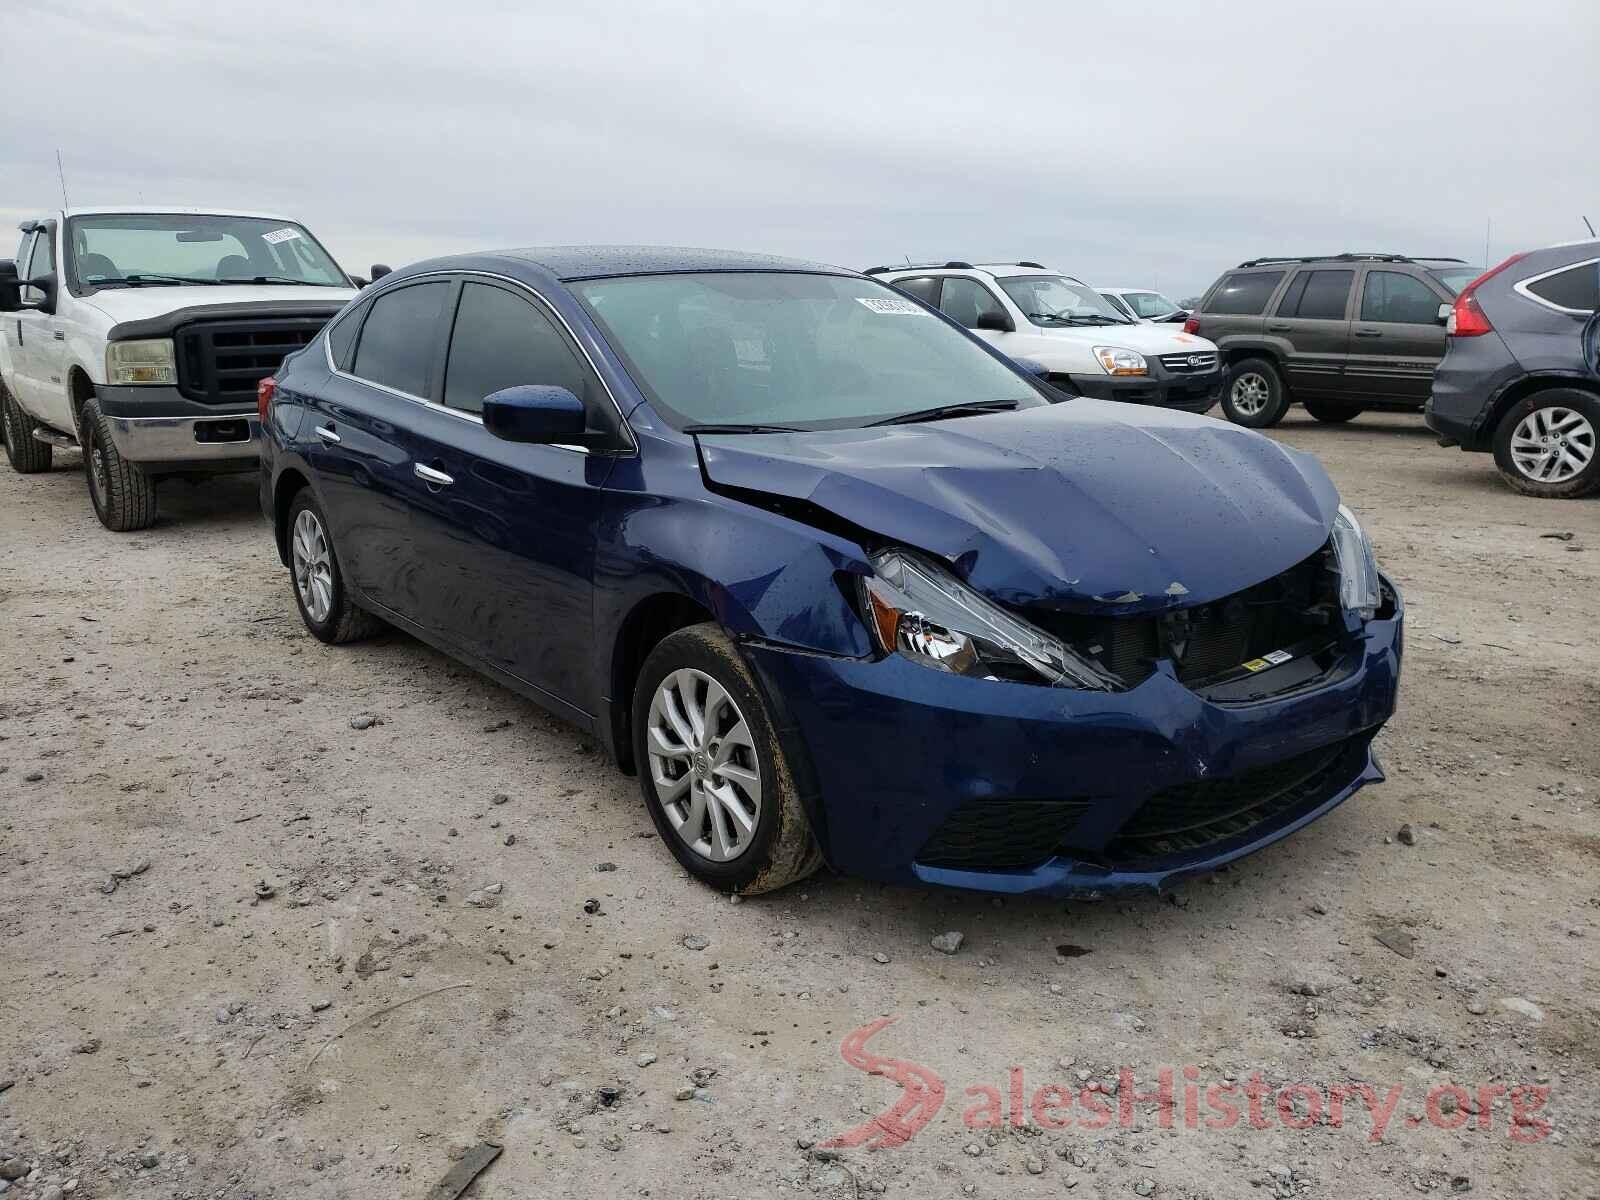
(925, 613)
(1358, 567)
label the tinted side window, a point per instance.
(1391, 296)
(399, 336)
(44, 255)
(1245, 295)
(1324, 295)
(501, 340)
(965, 300)
(342, 337)
(924, 287)
(1577, 287)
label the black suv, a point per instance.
(1521, 376)
(1338, 333)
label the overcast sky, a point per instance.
(1136, 144)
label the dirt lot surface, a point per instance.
(174, 748)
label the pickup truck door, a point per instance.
(1397, 339)
(27, 329)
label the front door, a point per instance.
(508, 529)
(1397, 339)
(1313, 318)
(970, 302)
(29, 331)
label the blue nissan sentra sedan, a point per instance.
(837, 580)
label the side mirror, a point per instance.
(14, 294)
(10, 289)
(378, 271)
(537, 413)
(1444, 312)
(996, 321)
(360, 281)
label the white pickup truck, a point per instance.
(139, 335)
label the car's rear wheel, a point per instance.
(715, 776)
(1332, 413)
(123, 496)
(1254, 396)
(1548, 445)
(26, 455)
(319, 590)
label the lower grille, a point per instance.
(1189, 364)
(220, 362)
(995, 835)
(1195, 816)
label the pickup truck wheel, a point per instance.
(124, 497)
(714, 773)
(27, 456)
(1548, 445)
(1330, 413)
(1254, 395)
(319, 592)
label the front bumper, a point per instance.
(1190, 393)
(902, 755)
(159, 425)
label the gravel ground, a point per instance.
(210, 883)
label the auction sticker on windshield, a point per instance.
(280, 235)
(900, 307)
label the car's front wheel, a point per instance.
(319, 589)
(1330, 413)
(715, 776)
(1254, 396)
(123, 496)
(1547, 444)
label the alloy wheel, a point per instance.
(1250, 394)
(313, 566)
(704, 766)
(1552, 445)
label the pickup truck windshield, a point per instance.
(166, 250)
(754, 351)
(1054, 301)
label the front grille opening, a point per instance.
(1205, 814)
(221, 362)
(998, 835)
(1211, 642)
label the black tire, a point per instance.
(1332, 412)
(27, 455)
(344, 621)
(1566, 413)
(781, 849)
(123, 496)
(1254, 395)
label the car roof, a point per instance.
(598, 262)
(149, 210)
(993, 270)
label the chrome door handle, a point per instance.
(328, 435)
(431, 477)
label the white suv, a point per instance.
(1085, 346)
(140, 335)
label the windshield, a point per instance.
(156, 249)
(1149, 304)
(1455, 278)
(792, 351)
(1054, 301)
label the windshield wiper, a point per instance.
(970, 409)
(741, 429)
(264, 279)
(172, 279)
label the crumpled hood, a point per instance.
(1087, 505)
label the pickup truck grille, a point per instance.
(1190, 364)
(220, 362)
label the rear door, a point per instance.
(1397, 339)
(362, 443)
(508, 529)
(1313, 315)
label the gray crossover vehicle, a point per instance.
(1337, 333)
(1520, 376)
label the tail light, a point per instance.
(264, 393)
(1192, 325)
(1467, 318)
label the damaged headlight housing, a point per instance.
(922, 611)
(1359, 590)
(146, 360)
